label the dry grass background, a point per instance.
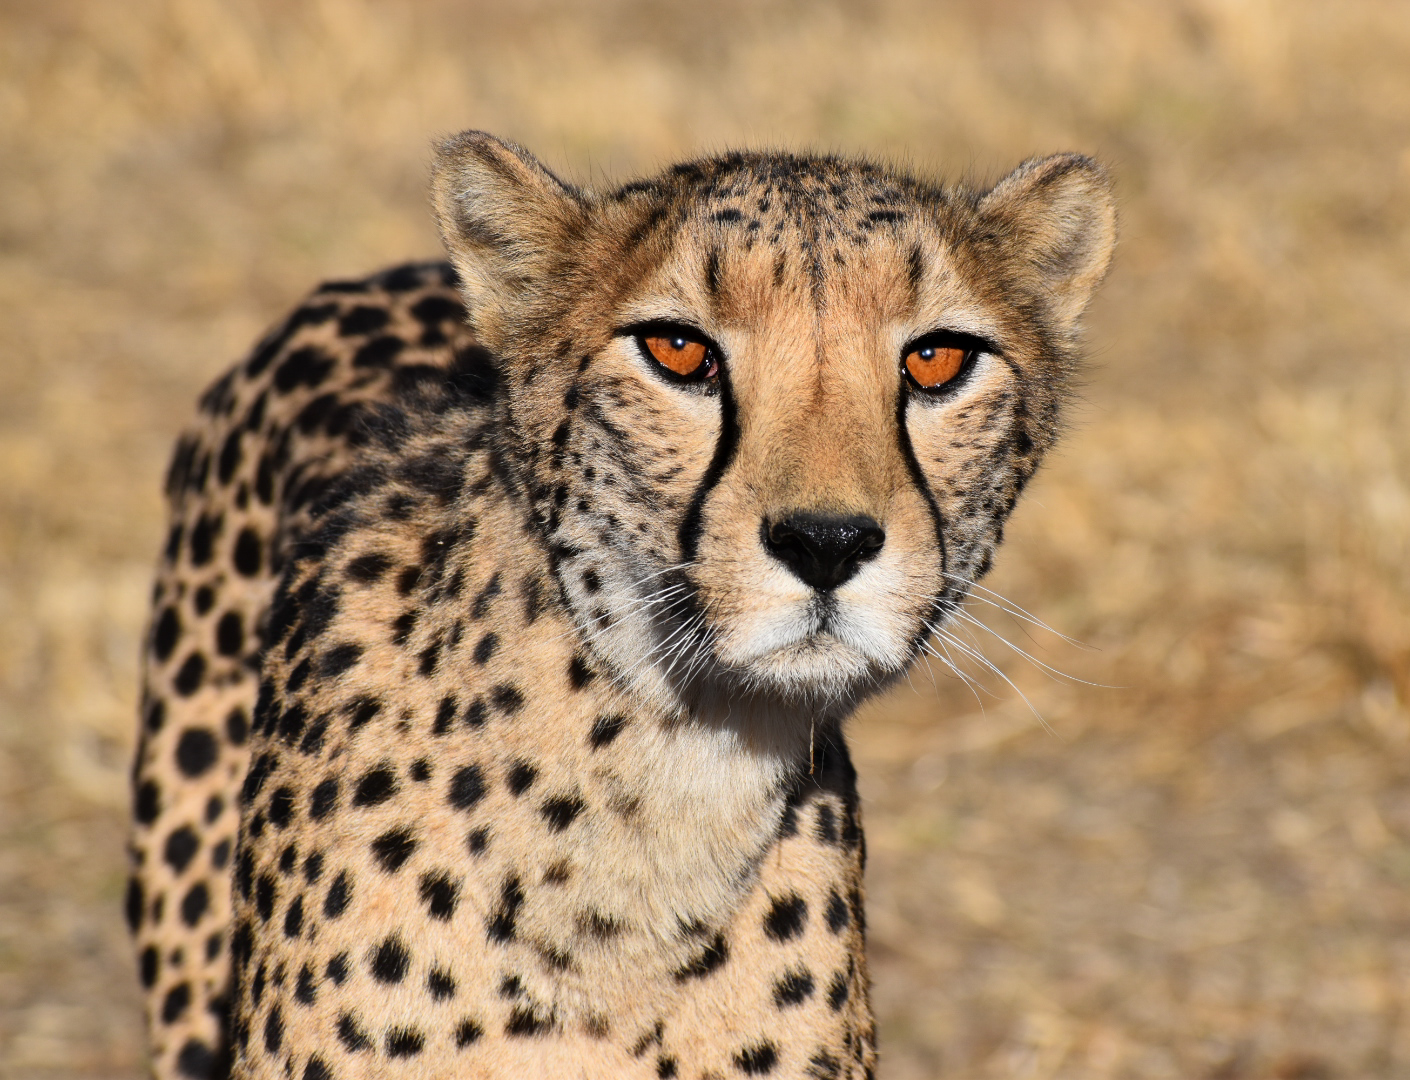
(1204, 873)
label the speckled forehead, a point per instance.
(817, 233)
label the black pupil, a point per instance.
(928, 353)
(678, 344)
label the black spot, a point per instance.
(376, 787)
(281, 807)
(229, 634)
(823, 1066)
(337, 969)
(379, 352)
(521, 777)
(826, 829)
(482, 601)
(467, 787)
(148, 966)
(407, 579)
(525, 1020)
(204, 599)
(237, 728)
(433, 310)
(711, 959)
(305, 990)
(786, 917)
(294, 918)
(595, 924)
(248, 552)
(188, 678)
(194, 903)
(440, 985)
(362, 710)
(389, 960)
(196, 751)
(313, 867)
(392, 849)
(175, 1002)
(165, 633)
(466, 1033)
(794, 988)
(273, 1030)
(362, 319)
(579, 674)
(288, 859)
(560, 812)
(507, 698)
(266, 893)
(296, 679)
(203, 539)
(420, 770)
(197, 1061)
(837, 917)
(350, 1035)
(837, 992)
(445, 715)
(430, 657)
(146, 803)
(312, 741)
(317, 1069)
(338, 659)
(486, 647)
(475, 713)
(323, 800)
(368, 568)
(501, 924)
(440, 895)
(133, 903)
(403, 625)
(757, 1060)
(606, 728)
(404, 1042)
(156, 715)
(306, 367)
(478, 841)
(336, 902)
(181, 848)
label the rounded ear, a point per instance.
(1057, 218)
(502, 216)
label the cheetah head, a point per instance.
(770, 412)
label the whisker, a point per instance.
(971, 620)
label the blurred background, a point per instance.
(1200, 867)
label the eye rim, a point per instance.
(972, 345)
(706, 377)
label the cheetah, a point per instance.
(512, 608)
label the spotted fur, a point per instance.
(484, 733)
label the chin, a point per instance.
(819, 671)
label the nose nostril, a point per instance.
(823, 550)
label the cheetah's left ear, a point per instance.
(1057, 218)
(503, 217)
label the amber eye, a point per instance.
(932, 366)
(679, 354)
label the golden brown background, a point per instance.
(1198, 872)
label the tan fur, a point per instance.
(548, 771)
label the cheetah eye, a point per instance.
(683, 354)
(937, 360)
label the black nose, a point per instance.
(824, 550)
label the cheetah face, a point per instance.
(771, 412)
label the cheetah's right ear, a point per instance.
(502, 216)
